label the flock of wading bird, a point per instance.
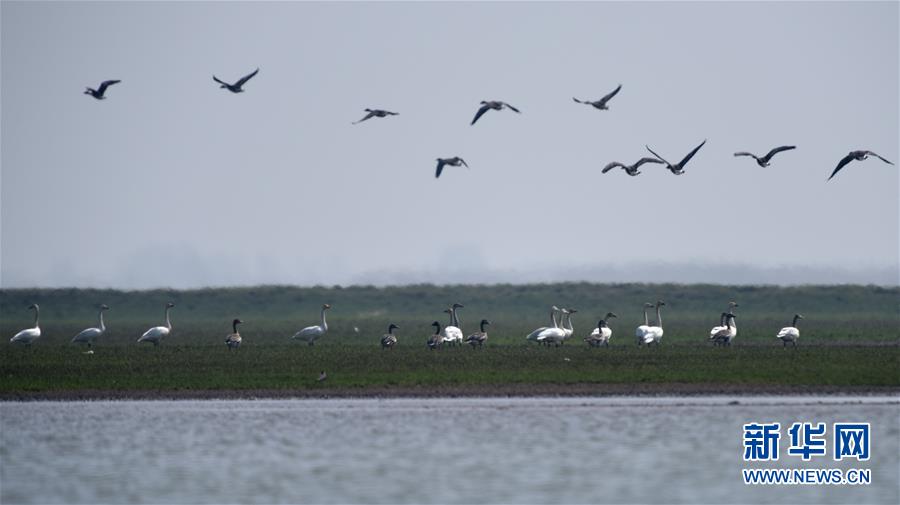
(651, 332)
(485, 106)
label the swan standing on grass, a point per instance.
(452, 334)
(722, 324)
(233, 341)
(436, 339)
(534, 334)
(87, 336)
(553, 335)
(389, 340)
(601, 334)
(653, 334)
(312, 333)
(477, 339)
(567, 322)
(29, 335)
(155, 335)
(726, 332)
(790, 333)
(642, 330)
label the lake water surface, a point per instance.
(483, 450)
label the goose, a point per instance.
(29, 335)
(726, 332)
(99, 92)
(87, 336)
(602, 333)
(322, 376)
(534, 334)
(233, 341)
(376, 113)
(858, 156)
(679, 168)
(722, 325)
(452, 334)
(453, 162)
(631, 170)
(477, 339)
(790, 333)
(642, 330)
(764, 161)
(553, 335)
(312, 333)
(236, 87)
(154, 335)
(495, 105)
(601, 103)
(389, 340)
(436, 339)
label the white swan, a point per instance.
(643, 329)
(726, 332)
(567, 323)
(654, 333)
(87, 336)
(29, 335)
(389, 340)
(452, 334)
(534, 334)
(155, 335)
(790, 333)
(478, 338)
(313, 333)
(602, 333)
(554, 335)
(233, 340)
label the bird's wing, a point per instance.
(880, 158)
(577, 100)
(660, 158)
(481, 111)
(223, 83)
(87, 334)
(463, 162)
(363, 119)
(106, 84)
(745, 153)
(777, 150)
(611, 166)
(440, 168)
(646, 160)
(691, 155)
(611, 94)
(508, 106)
(841, 164)
(246, 78)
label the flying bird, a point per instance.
(236, 87)
(494, 104)
(98, 93)
(453, 162)
(764, 161)
(679, 168)
(858, 156)
(631, 170)
(601, 103)
(376, 113)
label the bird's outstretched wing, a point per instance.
(223, 83)
(481, 111)
(691, 155)
(646, 160)
(369, 115)
(106, 84)
(611, 166)
(660, 158)
(508, 106)
(879, 157)
(745, 153)
(841, 164)
(775, 151)
(246, 78)
(578, 101)
(440, 168)
(467, 166)
(611, 94)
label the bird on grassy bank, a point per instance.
(376, 113)
(567, 322)
(155, 335)
(233, 341)
(389, 340)
(649, 334)
(322, 376)
(87, 336)
(725, 333)
(453, 162)
(642, 330)
(478, 338)
(313, 333)
(764, 161)
(492, 105)
(858, 156)
(29, 335)
(602, 333)
(678, 168)
(790, 333)
(722, 324)
(601, 103)
(553, 324)
(453, 334)
(436, 339)
(631, 170)
(554, 334)
(99, 92)
(238, 86)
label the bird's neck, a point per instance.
(646, 319)
(37, 314)
(658, 317)
(324, 324)
(482, 327)
(102, 326)
(553, 319)
(168, 321)
(794, 324)
(234, 326)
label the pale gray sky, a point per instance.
(172, 181)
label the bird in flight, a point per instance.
(453, 162)
(601, 103)
(631, 170)
(494, 104)
(376, 113)
(236, 87)
(764, 161)
(858, 156)
(98, 93)
(679, 168)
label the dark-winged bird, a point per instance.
(98, 93)
(764, 161)
(679, 168)
(375, 113)
(858, 156)
(236, 87)
(631, 170)
(453, 162)
(496, 105)
(601, 103)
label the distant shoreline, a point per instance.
(469, 391)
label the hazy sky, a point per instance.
(172, 181)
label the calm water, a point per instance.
(528, 450)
